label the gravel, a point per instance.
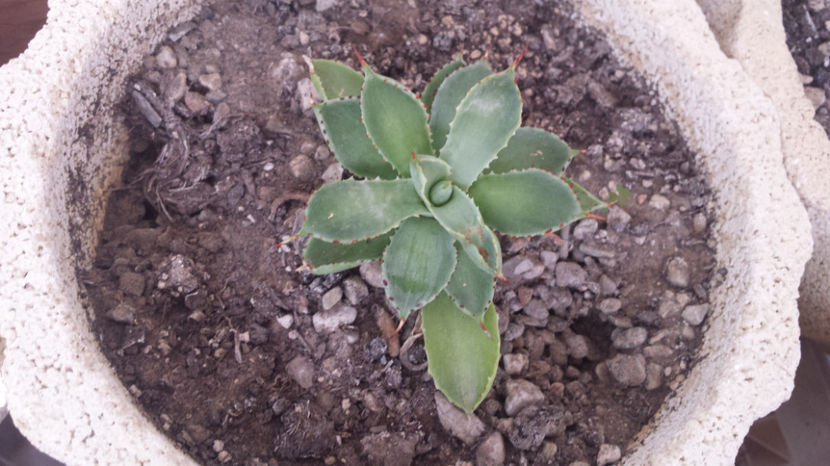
(301, 370)
(372, 274)
(695, 313)
(628, 369)
(331, 298)
(677, 272)
(608, 454)
(570, 275)
(521, 394)
(491, 451)
(629, 338)
(514, 363)
(467, 428)
(330, 320)
(355, 290)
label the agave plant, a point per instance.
(440, 175)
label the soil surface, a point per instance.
(807, 24)
(243, 359)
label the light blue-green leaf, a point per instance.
(461, 218)
(324, 257)
(417, 264)
(462, 357)
(587, 201)
(425, 171)
(350, 210)
(470, 287)
(449, 95)
(533, 148)
(432, 87)
(340, 124)
(395, 120)
(484, 121)
(333, 79)
(526, 202)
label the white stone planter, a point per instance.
(59, 95)
(752, 32)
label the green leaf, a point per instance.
(461, 218)
(350, 210)
(333, 79)
(470, 287)
(340, 123)
(395, 119)
(417, 264)
(526, 202)
(449, 95)
(425, 171)
(324, 257)
(587, 201)
(432, 87)
(485, 120)
(462, 358)
(533, 148)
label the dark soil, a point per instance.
(807, 24)
(216, 332)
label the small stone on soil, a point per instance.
(332, 297)
(372, 274)
(629, 338)
(628, 369)
(491, 451)
(301, 167)
(608, 454)
(618, 219)
(521, 394)
(355, 290)
(166, 57)
(677, 272)
(695, 314)
(333, 172)
(514, 363)
(131, 283)
(467, 428)
(570, 275)
(123, 313)
(578, 345)
(301, 370)
(610, 305)
(330, 320)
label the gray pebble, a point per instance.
(608, 454)
(654, 376)
(332, 297)
(607, 286)
(330, 320)
(570, 275)
(523, 266)
(179, 276)
(166, 57)
(618, 219)
(355, 290)
(816, 95)
(332, 173)
(372, 273)
(466, 427)
(578, 345)
(585, 229)
(301, 167)
(514, 330)
(629, 338)
(695, 314)
(196, 103)
(212, 81)
(146, 109)
(514, 363)
(323, 5)
(491, 450)
(131, 283)
(176, 87)
(610, 305)
(123, 313)
(658, 351)
(699, 222)
(659, 202)
(628, 369)
(677, 272)
(549, 258)
(593, 250)
(301, 370)
(521, 394)
(536, 309)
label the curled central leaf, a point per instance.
(440, 192)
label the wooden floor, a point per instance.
(19, 21)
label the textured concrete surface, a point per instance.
(751, 348)
(752, 33)
(55, 98)
(59, 97)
